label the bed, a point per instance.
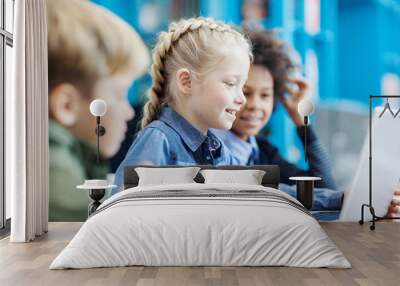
(201, 224)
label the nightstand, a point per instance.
(97, 190)
(305, 190)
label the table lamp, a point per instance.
(305, 109)
(98, 108)
(305, 184)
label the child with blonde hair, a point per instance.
(199, 68)
(92, 54)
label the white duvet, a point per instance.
(185, 230)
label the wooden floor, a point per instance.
(374, 255)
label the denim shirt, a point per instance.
(172, 140)
(246, 152)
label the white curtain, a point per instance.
(27, 124)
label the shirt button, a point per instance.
(208, 158)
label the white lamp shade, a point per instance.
(305, 107)
(98, 107)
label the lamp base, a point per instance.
(305, 193)
(96, 195)
(305, 190)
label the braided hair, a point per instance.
(189, 43)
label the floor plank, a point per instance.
(374, 255)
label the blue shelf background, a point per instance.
(355, 48)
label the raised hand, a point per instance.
(298, 91)
(394, 207)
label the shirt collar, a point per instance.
(192, 137)
(254, 146)
(241, 149)
(60, 135)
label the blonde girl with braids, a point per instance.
(199, 68)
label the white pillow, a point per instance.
(164, 176)
(248, 177)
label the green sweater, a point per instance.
(71, 162)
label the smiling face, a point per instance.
(218, 96)
(259, 93)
